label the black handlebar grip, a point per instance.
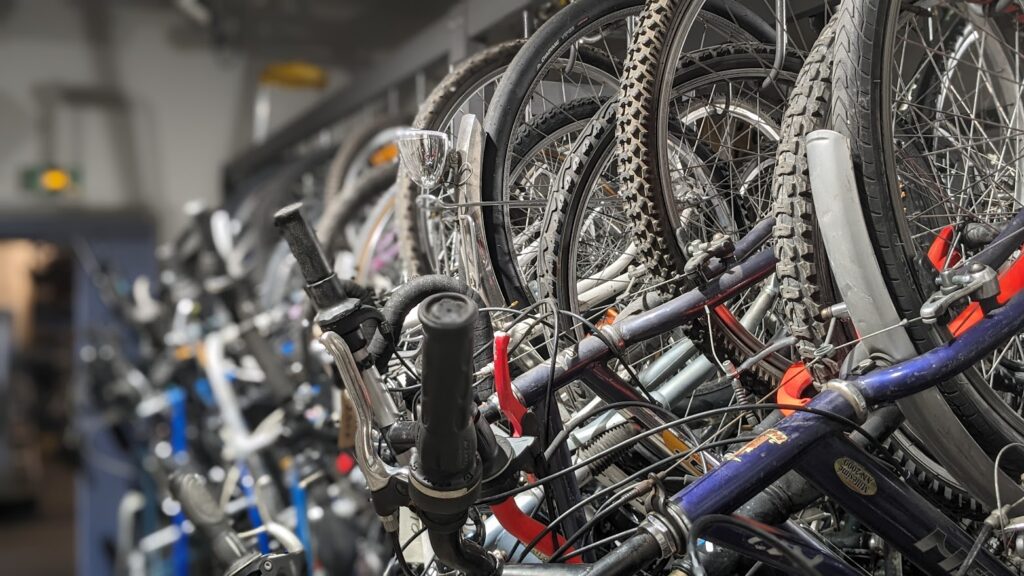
(303, 243)
(447, 457)
(323, 287)
(198, 505)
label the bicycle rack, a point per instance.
(859, 279)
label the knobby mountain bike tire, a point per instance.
(805, 284)
(582, 174)
(551, 43)
(563, 223)
(663, 33)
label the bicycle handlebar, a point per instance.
(446, 468)
(199, 506)
(303, 243)
(447, 445)
(336, 310)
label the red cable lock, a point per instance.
(509, 515)
(507, 401)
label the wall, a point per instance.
(188, 110)
(18, 258)
(188, 106)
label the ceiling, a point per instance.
(335, 33)
(342, 33)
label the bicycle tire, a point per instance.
(931, 480)
(259, 237)
(372, 231)
(354, 141)
(659, 40)
(507, 105)
(278, 275)
(578, 178)
(646, 71)
(346, 207)
(518, 85)
(802, 269)
(866, 30)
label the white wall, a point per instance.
(189, 108)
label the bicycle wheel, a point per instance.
(259, 241)
(378, 263)
(589, 243)
(803, 271)
(559, 64)
(935, 131)
(805, 284)
(333, 184)
(587, 257)
(366, 144)
(558, 56)
(650, 179)
(337, 227)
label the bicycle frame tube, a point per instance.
(859, 483)
(531, 386)
(817, 554)
(813, 445)
(936, 365)
(900, 515)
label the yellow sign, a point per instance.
(294, 74)
(55, 180)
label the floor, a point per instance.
(39, 540)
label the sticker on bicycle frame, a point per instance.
(770, 435)
(855, 476)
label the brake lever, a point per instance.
(341, 318)
(388, 484)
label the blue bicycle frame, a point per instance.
(814, 446)
(817, 448)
